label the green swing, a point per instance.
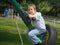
(25, 17)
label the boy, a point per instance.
(38, 23)
(6, 12)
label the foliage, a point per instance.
(48, 7)
(44, 6)
(24, 4)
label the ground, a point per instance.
(9, 33)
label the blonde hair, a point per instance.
(32, 5)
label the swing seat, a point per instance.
(42, 36)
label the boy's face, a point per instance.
(31, 10)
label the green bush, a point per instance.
(44, 7)
(24, 4)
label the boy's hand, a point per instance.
(31, 16)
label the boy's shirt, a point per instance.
(39, 22)
(6, 12)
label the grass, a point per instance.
(9, 33)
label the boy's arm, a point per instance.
(31, 16)
(35, 17)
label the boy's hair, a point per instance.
(32, 5)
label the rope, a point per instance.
(19, 32)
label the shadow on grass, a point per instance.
(14, 38)
(5, 36)
(58, 42)
(10, 37)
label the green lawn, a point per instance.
(9, 33)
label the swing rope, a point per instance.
(19, 32)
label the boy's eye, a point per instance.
(31, 9)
